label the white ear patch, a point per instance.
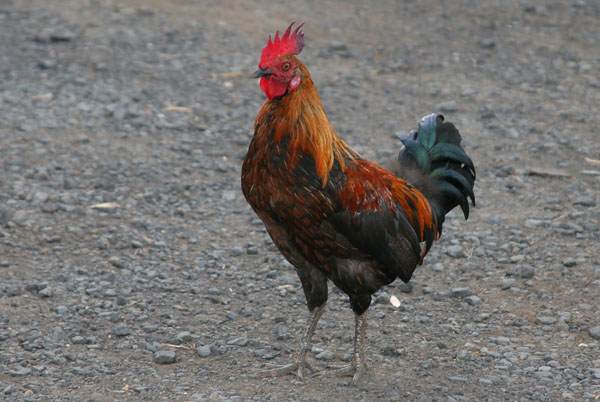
(295, 82)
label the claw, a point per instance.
(281, 370)
(300, 364)
(298, 367)
(357, 371)
(358, 367)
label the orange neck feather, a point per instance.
(301, 116)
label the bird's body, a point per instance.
(333, 214)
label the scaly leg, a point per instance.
(305, 343)
(359, 362)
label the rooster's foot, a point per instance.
(297, 367)
(356, 371)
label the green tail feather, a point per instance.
(435, 149)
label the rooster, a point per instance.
(335, 215)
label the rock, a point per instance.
(337, 46)
(237, 251)
(406, 287)
(165, 357)
(569, 262)
(9, 389)
(218, 348)
(515, 259)
(46, 292)
(78, 340)
(457, 379)
(546, 320)
(36, 286)
(62, 309)
(462, 354)
(512, 133)
(473, 300)
(259, 352)
(228, 195)
(526, 272)
(438, 267)
(149, 328)
(594, 332)
(486, 43)
(455, 251)
(459, 292)
(586, 201)
(508, 283)
(391, 351)
(20, 371)
(116, 261)
(184, 336)
(122, 330)
(204, 351)
(282, 332)
(325, 355)
(238, 341)
(448, 106)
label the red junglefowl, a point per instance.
(335, 215)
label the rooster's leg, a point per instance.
(300, 364)
(359, 362)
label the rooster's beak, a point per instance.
(261, 72)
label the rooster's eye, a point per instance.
(286, 66)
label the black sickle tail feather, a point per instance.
(433, 160)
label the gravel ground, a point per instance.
(133, 269)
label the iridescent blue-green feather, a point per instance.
(435, 150)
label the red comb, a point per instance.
(289, 43)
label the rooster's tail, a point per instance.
(433, 160)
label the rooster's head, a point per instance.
(278, 69)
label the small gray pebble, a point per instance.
(20, 371)
(508, 283)
(457, 379)
(203, 351)
(515, 259)
(150, 328)
(184, 336)
(240, 342)
(391, 351)
(449, 106)
(406, 287)
(325, 355)
(526, 272)
(546, 320)
(9, 390)
(165, 357)
(459, 292)
(122, 330)
(473, 300)
(594, 332)
(62, 309)
(259, 352)
(237, 251)
(455, 251)
(78, 340)
(116, 261)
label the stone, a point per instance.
(165, 357)
(203, 351)
(594, 332)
